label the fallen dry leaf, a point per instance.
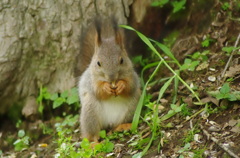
(233, 71)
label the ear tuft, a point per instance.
(119, 38)
(98, 40)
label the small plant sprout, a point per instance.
(22, 142)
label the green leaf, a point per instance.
(102, 134)
(186, 64)
(98, 147)
(64, 94)
(220, 96)
(26, 140)
(54, 96)
(72, 99)
(176, 108)
(232, 97)
(178, 5)
(108, 147)
(225, 6)
(58, 102)
(138, 155)
(189, 65)
(225, 88)
(205, 43)
(19, 145)
(85, 143)
(40, 108)
(137, 59)
(17, 141)
(159, 3)
(228, 49)
(196, 55)
(225, 93)
(21, 133)
(193, 65)
(185, 148)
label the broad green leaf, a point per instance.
(225, 6)
(46, 95)
(159, 3)
(54, 96)
(178, 5)
(225, 88)
(228, 49)
(58, 102)
(102, 134)
(64, 94)
(26, 140)
(232, 97)
(73, 96)
(109, 146)
(85, 143)
(17, 141)
(189, 64)
(21, 133)
(138, 155)
(205, 43)
(196, 55)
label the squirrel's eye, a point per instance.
(99, 64)
(121, 60)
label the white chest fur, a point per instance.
(114, 111)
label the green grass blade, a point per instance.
(144, 39)
(167, 51)
(147, 67)
(149, 44)
(175, 89)
(164, 87)
(138, 111)
(176, 78)
(141, 100)
(155, 117)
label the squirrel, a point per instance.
(109, 88)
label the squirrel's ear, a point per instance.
(119, 38)
(98, 30)
(97, 41)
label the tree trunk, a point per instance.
(39, 43)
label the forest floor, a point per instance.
(209, 127)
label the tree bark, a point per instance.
(39, 41)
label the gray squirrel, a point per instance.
(109, 88)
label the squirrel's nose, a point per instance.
(112, 77)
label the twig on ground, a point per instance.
(215, 140)
(230, 58)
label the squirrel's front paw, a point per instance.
(107, 88)
(121, 85)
